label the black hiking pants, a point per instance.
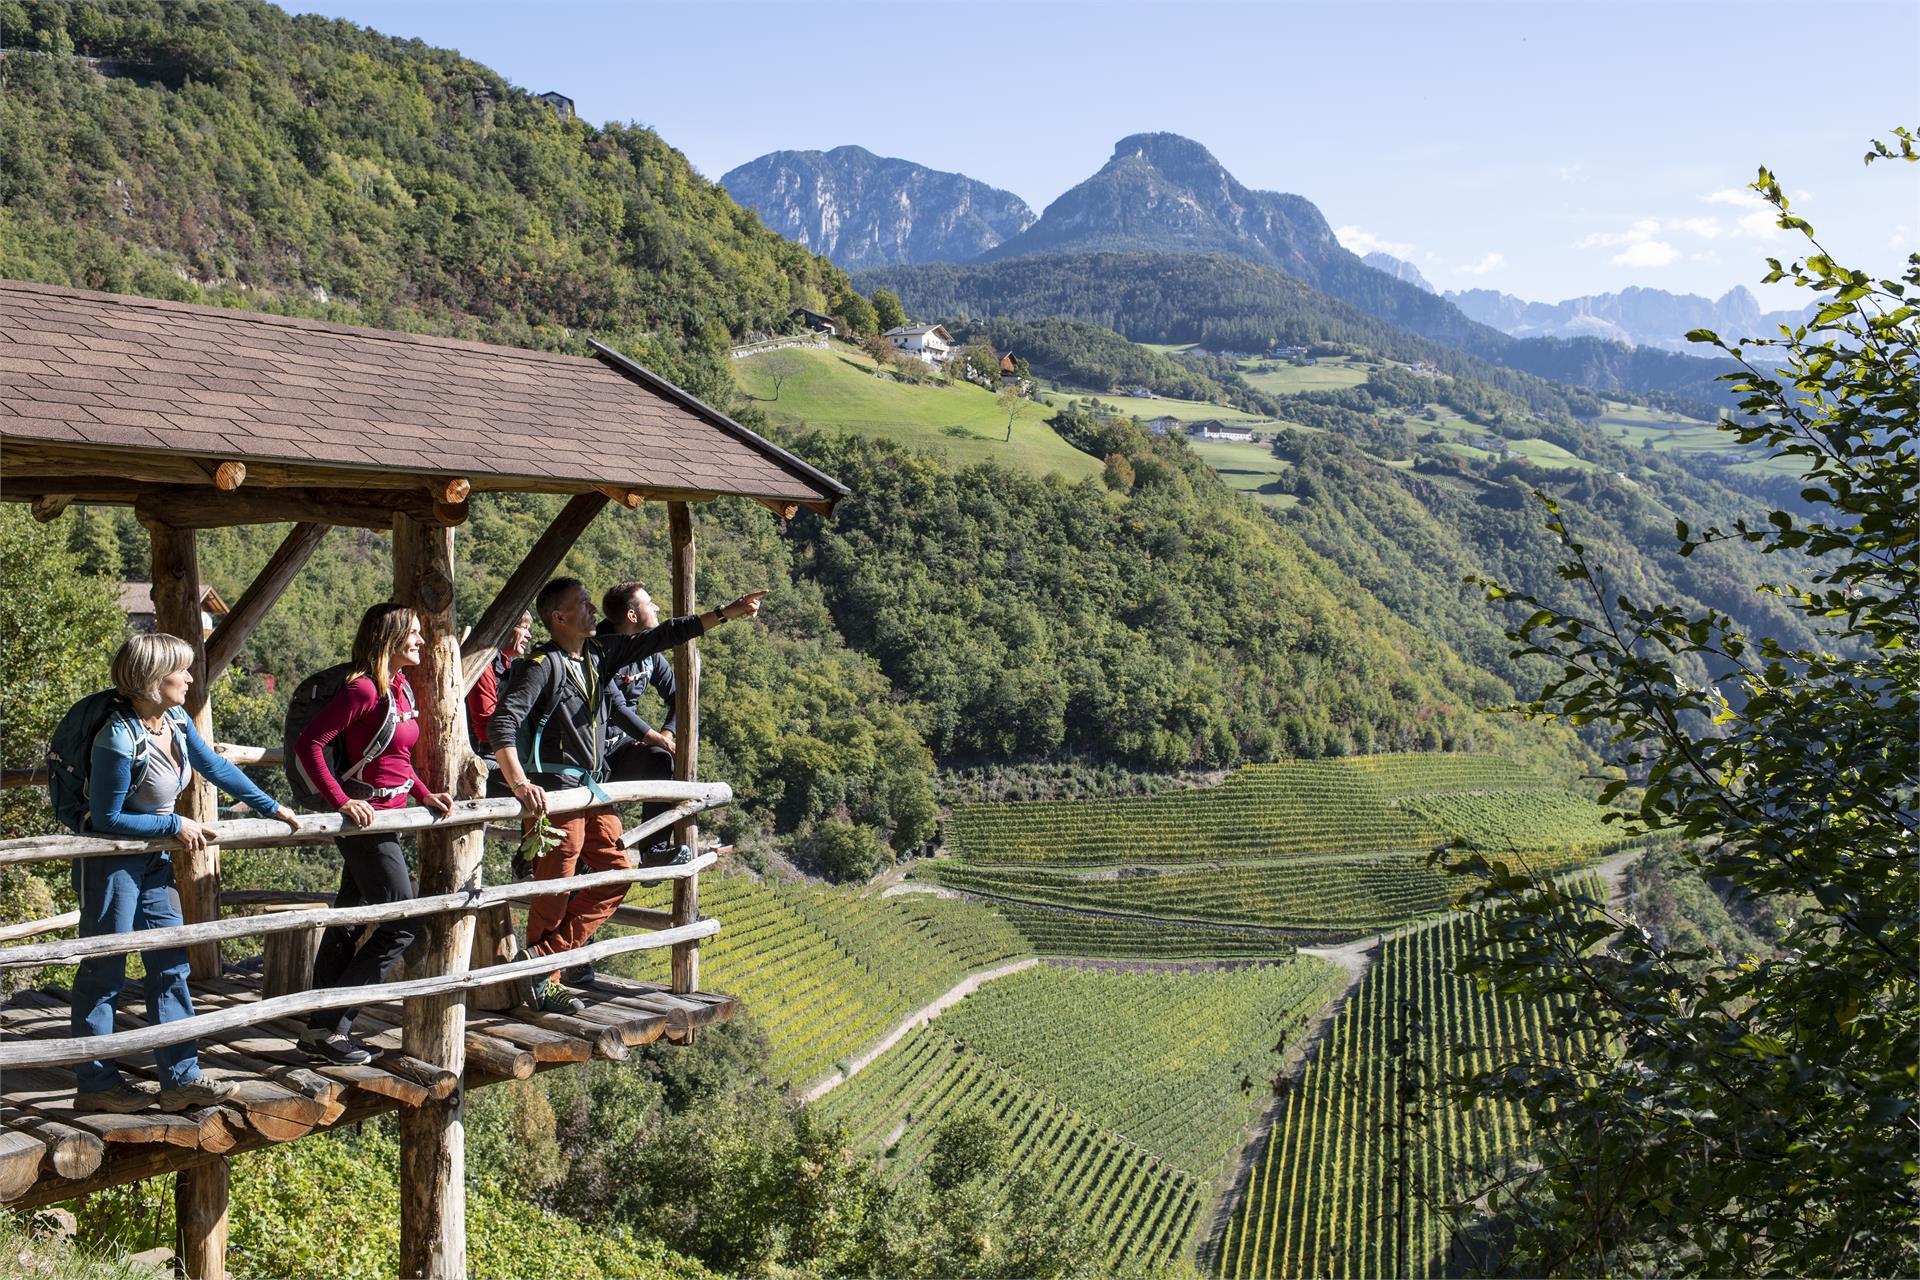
(374, 869)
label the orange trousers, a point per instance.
(589, 841)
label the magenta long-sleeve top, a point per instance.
(356, 715)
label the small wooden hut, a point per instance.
(200, 417)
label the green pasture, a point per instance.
(1161, 407)
(1283, 377)
(1249, 468)
(835, 388)
(1637, 426)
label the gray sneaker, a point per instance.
(551, 997)
(196, 1093)
(119, 1100)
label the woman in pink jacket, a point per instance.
(376, 701)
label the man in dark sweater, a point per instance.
(642, 752)
(554, 711)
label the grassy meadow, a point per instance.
(835, 388)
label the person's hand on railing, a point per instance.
(358, 813)
(193, 836)
(531, 796)
(288, 816)
(441, 802)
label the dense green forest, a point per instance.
(242, 155)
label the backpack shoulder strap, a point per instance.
(389, 724)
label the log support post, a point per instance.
(176, 611)
(686, 761)
(433, 1209)
(200, 1218)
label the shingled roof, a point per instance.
(103, 371)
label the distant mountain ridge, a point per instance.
(1399, 270)
(1644, 317)
(863, 210)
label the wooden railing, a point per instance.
(663, 929)
(37, 776)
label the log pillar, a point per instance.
(433, 1200)
(176, 611)
(686, 759)
(200, 1219)
(288, 957)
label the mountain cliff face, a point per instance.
(1646, 317)
(1398, 269)
(863, 210)
(1164, 192)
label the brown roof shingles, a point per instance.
(142, 374)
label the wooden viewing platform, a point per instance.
(203, 417)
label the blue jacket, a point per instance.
(112, 778)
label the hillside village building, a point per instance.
(1214, 429)
(930, 343)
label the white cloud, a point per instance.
(1359, 240)
(1643, 230)
(1757, 221)
(1646, 253)
(1708, 228)
(1901, 238)
(1575, 172)
(1492, 262)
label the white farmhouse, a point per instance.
(928, 342)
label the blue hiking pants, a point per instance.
(120, 895)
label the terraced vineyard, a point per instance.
(1059, 932)
(1404, 774)
(1332, 1194)
(1320, 895)
(1261, 811)
(1538, 819)
(826, 972)
(1132, 1089)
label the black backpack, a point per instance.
(313, 694)
(70, 755)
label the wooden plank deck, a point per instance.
(50, 1151)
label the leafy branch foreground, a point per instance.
(1754, 1117)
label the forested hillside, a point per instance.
(226, 151)
(1227, 302)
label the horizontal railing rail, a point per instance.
(319, 828)
(233, 753)
(22, 1053)
(686, 798)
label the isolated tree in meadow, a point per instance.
(1011, 403)
(779, 368)
(1757, 1117)
(887, 311)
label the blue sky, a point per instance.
(1543, 149)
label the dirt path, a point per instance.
(919, 1017)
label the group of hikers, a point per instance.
(564, 713)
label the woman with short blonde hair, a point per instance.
(142, 759)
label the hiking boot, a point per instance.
(679, 857)
(551, 997)
(522, 869)
(196, 1093)
(119, 1099)
(334, 1049)
(580, 975)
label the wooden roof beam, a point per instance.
(259, 598)
(185, 509)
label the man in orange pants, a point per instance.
(549, 731)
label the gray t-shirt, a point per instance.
(164, 780)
